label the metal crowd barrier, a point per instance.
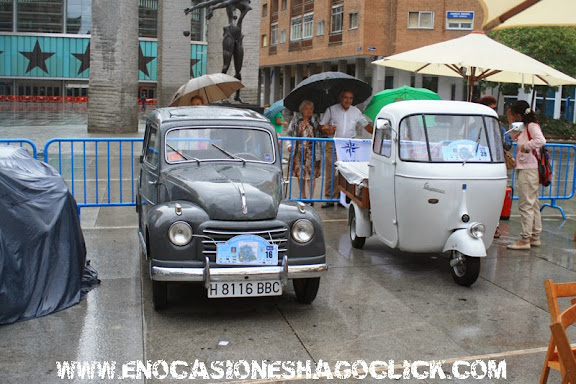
(314, 190)
(102, 172)
(99, 172)
(23, 143)
(562, 160)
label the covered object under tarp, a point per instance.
(42, 249)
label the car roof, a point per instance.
(410, 107)
(207, 113)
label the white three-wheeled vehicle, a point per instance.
(436, 181)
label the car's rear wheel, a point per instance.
(159, 294)
(306, 289)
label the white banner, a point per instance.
(353, 149)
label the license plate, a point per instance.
(247, 250)
(245, 289)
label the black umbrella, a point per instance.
(323, 90)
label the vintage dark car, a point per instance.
(211, 210)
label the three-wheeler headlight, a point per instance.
(476, 230)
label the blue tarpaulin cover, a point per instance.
(42, 249)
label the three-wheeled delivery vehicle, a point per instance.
(435, 182)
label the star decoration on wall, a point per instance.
(143, 61)
(37, 58)
(192, 64)
(84, 59)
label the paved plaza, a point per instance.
(375, 304)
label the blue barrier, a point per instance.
(562, 158)
(23, 143)
(85, 162)
(88, 161)
(317, 166)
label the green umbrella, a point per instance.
(389, 96)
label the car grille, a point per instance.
(277, 235)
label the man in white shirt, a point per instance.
(339, 120)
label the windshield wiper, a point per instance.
(183, 156)
(228, 153)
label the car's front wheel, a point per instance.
(306, 289)
(159, 294)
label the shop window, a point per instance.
(430, 82)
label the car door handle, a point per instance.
(370, 165)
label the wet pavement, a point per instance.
(375, 304)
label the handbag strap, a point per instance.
(533, 151)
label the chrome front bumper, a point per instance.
(245, 273)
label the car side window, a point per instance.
(152, 155)
(382, 139)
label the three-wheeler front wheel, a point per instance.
(465, 269)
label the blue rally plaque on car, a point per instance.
(247, 250)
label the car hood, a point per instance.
(219, 189)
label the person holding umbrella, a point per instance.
(306, 156)
(339, 121)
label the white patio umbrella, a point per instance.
(476, 57)
(528, 13)
(211, 88)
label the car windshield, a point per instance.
(219, 144)
(451, 138)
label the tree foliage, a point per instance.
(553, 46)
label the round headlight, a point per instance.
(477, 230)
(180, 233)
(302, 231)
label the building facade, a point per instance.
(302, 37)
(299, 38)
(45, 48)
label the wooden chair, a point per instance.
(564, 349)
(553, 292)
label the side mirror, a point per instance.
(383, 124)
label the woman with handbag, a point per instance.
(529, 139)
(491, 102)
